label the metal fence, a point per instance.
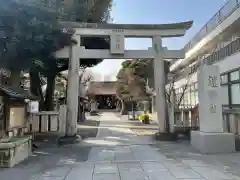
(224, 52)
(231, 120)
(229, 7)
(185, 118)
(229, 50)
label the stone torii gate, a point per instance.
(117, 34)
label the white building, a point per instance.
(218, 43)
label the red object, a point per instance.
(195, 110)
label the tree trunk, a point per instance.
(81, 111)
(167, 118)
(48, 104)
(170, 120)
(35, 87)
(134, 110)
(123, 107)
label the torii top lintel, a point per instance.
(129, 30)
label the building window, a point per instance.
(224, 79)
(193, 99)
(196, 86)
(189, 98)
(234, 76)
(235, 93)
(230, 83)
(225, 95)
(196, 97)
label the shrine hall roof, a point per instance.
(102, 88)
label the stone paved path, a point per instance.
(119, 154)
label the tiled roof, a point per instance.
(17, 92)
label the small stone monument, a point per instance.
(211, 138)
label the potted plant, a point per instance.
(144, 117)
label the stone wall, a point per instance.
(15, 150)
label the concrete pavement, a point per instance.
(118, 153)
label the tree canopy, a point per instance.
(132, 79)
(130, 83)
(30, 34)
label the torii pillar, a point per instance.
(159, 82)
(73, 88)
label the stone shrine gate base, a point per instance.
(211, 138)
(213, 142)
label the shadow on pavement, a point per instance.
(88, 128)
(45, 160)
(49, 156)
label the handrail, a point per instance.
(228, 8)
(211, 59)
(231, 111)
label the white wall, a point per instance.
(228, 64)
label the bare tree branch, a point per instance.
(170, 89)
(85, 78)
(184, 89)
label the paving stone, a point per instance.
(192, 162)
(19, 174)
(169, 163)
(131, 171)
(57, 172)
(147, 157)
(156, 171)
(33, 177)
(153, 167)
(84, 166)
(145, 152)
(181, 172)
(51, 178)
(213, 174)
(163, 175)
(122, 149)
(122, 166)
(80, 174)
(132, 176)
(106, 177)
(124, 156)
(102, 156)
(105, 169)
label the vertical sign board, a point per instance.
(33, 106)
(117, 42)
(210, 106)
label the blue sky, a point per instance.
(158, 12)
